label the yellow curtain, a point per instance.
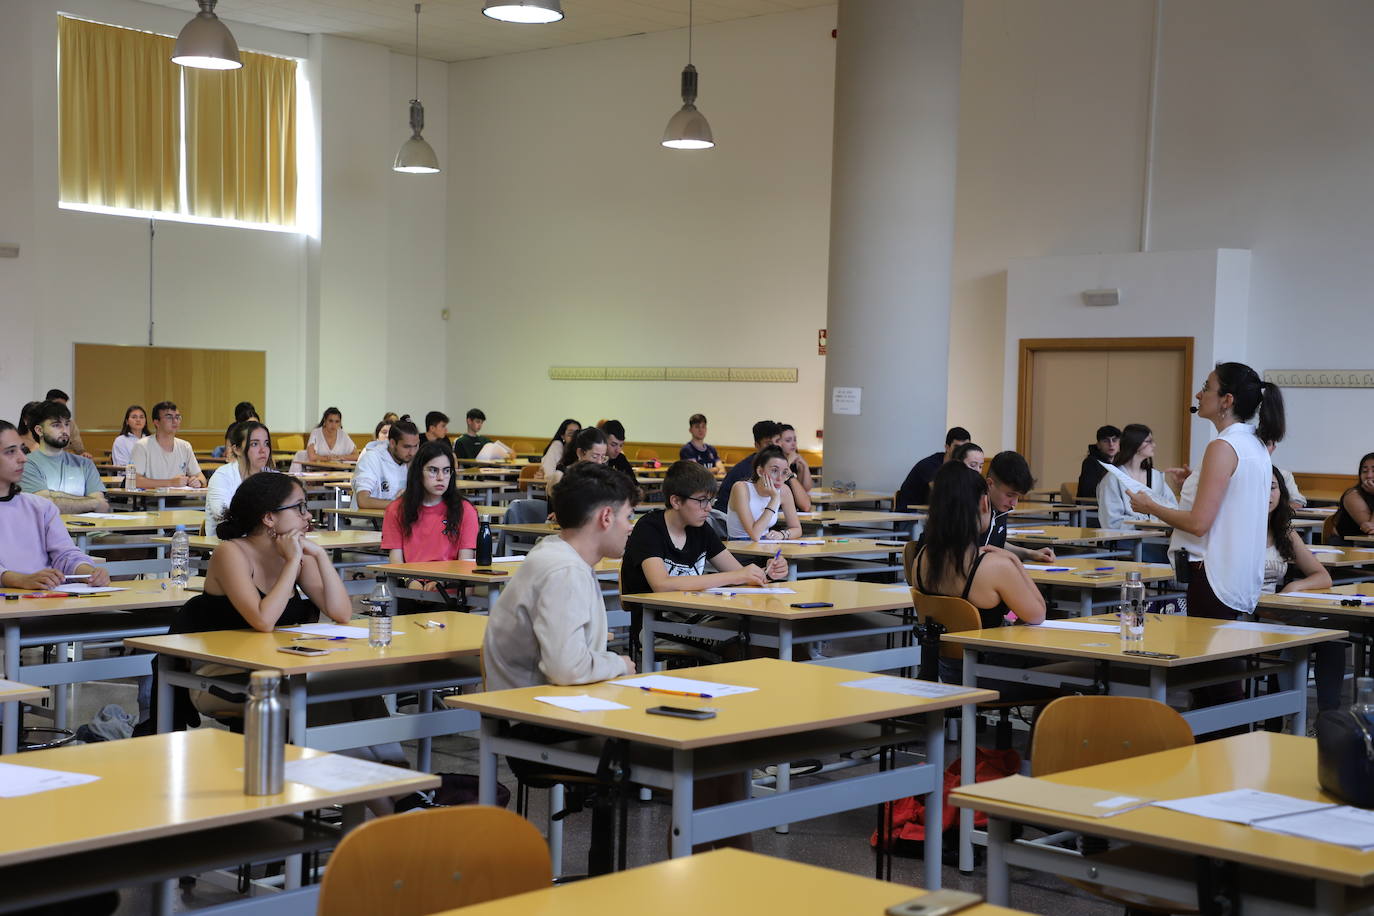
(241, 141)
(118, 118)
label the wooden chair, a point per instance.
(528, 474)
(1068, 491)
(438, 859)
(1329, 535)
(291, 442)
(646, 454)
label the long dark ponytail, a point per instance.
(1252, 394)
(954, 523)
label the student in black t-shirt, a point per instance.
(669, 548)
(915, 489)
(615, 444)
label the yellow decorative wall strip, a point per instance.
(672, 374)
(1321, 378)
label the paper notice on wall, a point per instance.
(846, 401)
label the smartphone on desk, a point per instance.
(811, 604)
(486, 571)
(1143, 653)
(935, 903)
(682, 712)
(302, 650)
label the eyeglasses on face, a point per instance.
(440, 471)
(703, 501)
(299, 507)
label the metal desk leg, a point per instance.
(967, 752)
(792, 571)
(164, 695)
(1138, 549)
(1299, 665)
(935, 757)
(296, 722)
(1085, 602)
(1158, 684)
(164, 892)
(682, 804)
(486, 763)
(423, 749)
(13, 724)
(646, 639)
(999, 833)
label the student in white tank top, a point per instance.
(757, 504)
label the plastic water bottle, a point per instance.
(130, 477)
(1132, 614)
(264, 734)
(379, 616)
(484, 543)
(1364, 699)
(181, 557)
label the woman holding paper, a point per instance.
(1134, 462)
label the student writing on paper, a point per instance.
(1135, 459)
(558, 445)
(36, 552)
(588, 445)
(1009, 480)
(431, 522)
(250, 451)
(757, 505)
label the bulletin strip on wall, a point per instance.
(204, 384)
(1321, 378)
(671, 374)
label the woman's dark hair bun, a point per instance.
(258, 495)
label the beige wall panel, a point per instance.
(1067, 405)
(1144, 386)
(204, 384)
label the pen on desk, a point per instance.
(1103, 568)
(73, 578)
(678, 693)
(319, 638)
(429, 624)
(44, 595)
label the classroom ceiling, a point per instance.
(453, 30)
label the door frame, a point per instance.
(1029, 346)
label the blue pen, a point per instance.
(1103, 568)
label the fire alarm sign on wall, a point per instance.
(820, 343)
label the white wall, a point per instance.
(575, 239)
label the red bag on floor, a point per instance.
(906, 816)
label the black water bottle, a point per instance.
(484, 543)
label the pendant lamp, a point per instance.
(206, 43)
(416, 156)
(536, 11)
(688, 128)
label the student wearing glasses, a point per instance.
(163, 460)
(431, 522)
(588, 445)
(757, 504)
(250, 448)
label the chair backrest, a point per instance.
(289, 442)
(909, 557)
(1068, 490)
(438, 859)
(954, 614)
(526, 511)
(1075, 732)
(720, 523)
(1329, 530)
(527, 473)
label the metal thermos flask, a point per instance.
(264, 733)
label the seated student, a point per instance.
(589, 445)
(436, 425)
(74, 444)
(431, 522)
(381, 434)
(558, 445)
(243, 411)
(250, 448)
(1295, 498)
(669, 548)
(135, 428)
(25, 427)
(1009, 480)
(915, 490)
(766, 433)
(380, 475)
(1135, 456)
(696, 448)
(615, 447)
(472, 444)
(1103, 450)
(66, 479)
(952, 562)
(1355, 516)
(328, 441)
(757, 504)
(36, 552)
(970, 454)
(801, 482)
(1289, 566)
(163, 460)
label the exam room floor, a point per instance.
(839, 841)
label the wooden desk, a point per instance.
(825, 496)
(1317, 605)
(833, 548)
(145, 607)
(797, 711)
(106, 536)
(1361, 539)
(1195, 640)
(1095, 593)
(451, 571)
(779, 619)
(165, 806)
(1056, 535)
(336, 542)
(13, 693)
(900, 523)
(1327, 875)
(1073, 511)
(726, 882)
(394, 669)
(1323, 496)
(1355, 563)
(376, 515)
(1304, 526)
(324, 464)
(160, 495)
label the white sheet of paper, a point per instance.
(750, 590)
(1025, 531)
(337, 773)
(1118, 801)
(1242, 806)
(898, 588)
(513, 558)
(16, 780)
(582, 703)
(329, 629)
(908, 687)
(807, 514)
(1047, 568)
(1327, 596)
(107, 515)
(81, 588)
(1343, 826)
(769, 543)
(1266, 627)
(1325, 550)
(682, 685)
(1128, 483)
(1075, 625)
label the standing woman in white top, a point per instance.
(757, 503)
(252, 450)
(1136, 459)
(553, 452)
(135, 427)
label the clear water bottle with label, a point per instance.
(1132, 613)
(379, 615)
(130, 477)
(181, 557)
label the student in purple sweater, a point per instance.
(35, 550)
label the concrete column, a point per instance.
(892, 234)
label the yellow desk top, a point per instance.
(827, 496)
(410, 642)
(847, 596)
(1192, 639)
(137, 594)
(330, 540)
(857, 517)
(1348, 556)
(462, 570)
(1283, 764)
(1155, 524)
(833, 547)
(1318, 606)
(15, 692)
(169, 492)
(1321, 512)
(726, 882)
(341, 478)
(330, 464)
(1025, 508)
(791, 697)
(379, 514)
(1065, 534)
(136, 521)
(157, 786)
(1149, 572)
(1361, 539)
